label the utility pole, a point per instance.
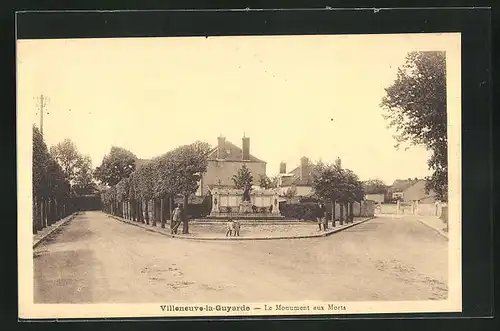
(42, 104)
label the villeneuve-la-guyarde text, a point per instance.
(205, 308)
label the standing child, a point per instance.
(236, 226)
(229, 228)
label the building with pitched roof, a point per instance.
(298, 180)
(417, 192)
(225, 160)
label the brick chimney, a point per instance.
(246, 148)
(221, 148)
(304, 163)
(282, 168)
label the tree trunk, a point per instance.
(162, 212)
(333, 213)
(140, 215)
(341, 213)
(185, 225)
(45, 213)
(146, 208)
(170, 204)
(351, 212)
(50, 213)
(155, 212)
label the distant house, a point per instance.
(376, 197)
(396, 190)
(417, 192)
(398, 195)
(225, 160)
(298, 180)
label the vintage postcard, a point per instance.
(239, 176)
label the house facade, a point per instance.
(298, 180)
(417, 192)
(376, 197)
(225, 160)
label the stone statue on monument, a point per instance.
(246, 193)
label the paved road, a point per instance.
(96, 259)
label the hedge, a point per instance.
(301, 211)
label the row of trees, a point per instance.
(333, 184)
(174, 173)
(59, 175)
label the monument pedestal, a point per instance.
(246, 207)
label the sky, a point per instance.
(294, 96)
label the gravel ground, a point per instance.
(96, 259)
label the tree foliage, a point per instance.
(49, 180)
(332, 183)
(243, 178)
(187, 164)
(374, 186)
(416, 108)
(68, 157)
(327, 181)
(118, 164)
(83, 183)
(177, 172)
(267, 183)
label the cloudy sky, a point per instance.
(314, 96)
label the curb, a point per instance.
(441, 233)
(57, 226)
(326, 234)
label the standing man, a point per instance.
(176, 218)
(321, 217)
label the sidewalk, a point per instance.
(435, 223)
(195, 236)
(44, 233)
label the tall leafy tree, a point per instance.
(68, 157)
(416, 108)
(50, 187)
(243, 178)
(115, 166)
(374, 186)
(83, 183)
(185, 167)
(352, 191)
(145, 177)
(328, 183)
(41, 159)
(267, 183)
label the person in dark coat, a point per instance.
(321, 217)
(176, 218)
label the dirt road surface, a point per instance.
(96, 259)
